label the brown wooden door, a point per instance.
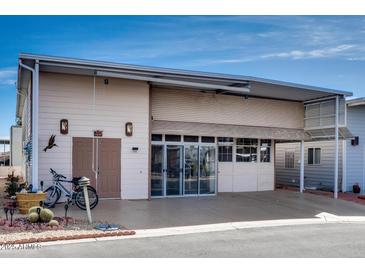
(109, 168)
(82, 156)
(107, 157)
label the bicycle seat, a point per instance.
(75, 180)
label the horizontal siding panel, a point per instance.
(189, 106)
(71, 97)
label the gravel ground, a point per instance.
(76, 228)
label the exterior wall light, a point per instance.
(64, 126)
(129, 129)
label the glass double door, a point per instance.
(179, 170)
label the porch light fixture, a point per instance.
(64, 126)
(129, 129)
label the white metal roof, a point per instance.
(356, 102)
(225, 83)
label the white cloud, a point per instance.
(7, 76)
(361, 58)
(317, 53)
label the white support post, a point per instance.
(335, 188)
(35, 146)
(344, 166)
(302, 166)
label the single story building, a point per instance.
(140, 132)
(320, 157)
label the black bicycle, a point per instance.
(75, 195)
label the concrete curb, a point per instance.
(322, 218)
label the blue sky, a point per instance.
(326, 51)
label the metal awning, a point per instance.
(222, 130)
(328, 134)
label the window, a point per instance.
(191, 139)
(156, 137)
(222, 140)
(172, 138)
(289, 159)
(314, 156)
(265, 150)
(225, 149)
(208, 139)
(246, 150)
(225, 153)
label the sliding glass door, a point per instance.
(191, 169)
(207, 170)
(186, 169)
(157, 168)
(174, 157)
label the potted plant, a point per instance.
(356, 188)
(24, 196)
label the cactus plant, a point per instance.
(53, 223)
(46, 215)
(33, 217)
(33, 209)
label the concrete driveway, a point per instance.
(236, 207)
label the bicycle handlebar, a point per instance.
(55, 174)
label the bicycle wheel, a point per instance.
(52, 196)
(80, 198)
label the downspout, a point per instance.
(35, 100)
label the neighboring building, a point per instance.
(4, 152)
(140, 132)
(16, 146)
(319, 157)
(355, 149)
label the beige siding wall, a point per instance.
(189, 106)
(71, 97)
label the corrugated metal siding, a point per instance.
(71, 97)
(190, 106)
(322, 174)
(355, 154)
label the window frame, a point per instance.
(314, 157)
(268, 146)
(286, 163)
(246, 143)
(225, 142)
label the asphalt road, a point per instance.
(324, 240)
